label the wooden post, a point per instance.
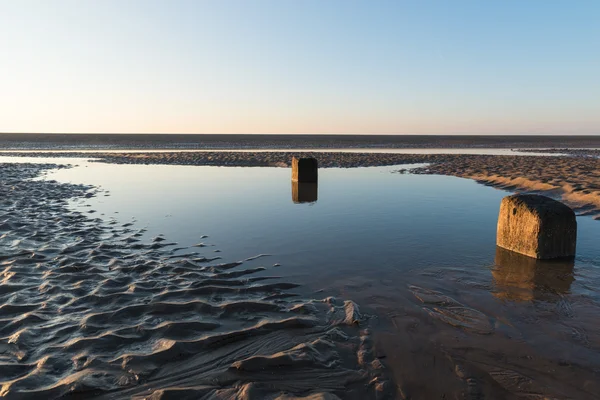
(536, 226)
(305, 169)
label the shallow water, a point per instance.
(92, 307)
(416, 251)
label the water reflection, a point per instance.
(304, 192)
(521, 278)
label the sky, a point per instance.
(300, 66)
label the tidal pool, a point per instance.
(416, 252)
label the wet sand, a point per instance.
(87, 309)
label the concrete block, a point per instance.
(305, 169)
(536, 226)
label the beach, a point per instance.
(394, 283)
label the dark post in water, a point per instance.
(536, 226)
(305, 169)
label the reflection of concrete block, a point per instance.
(522, 278)
(304, 192)
(305, 169)
(536, 226)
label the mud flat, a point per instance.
(574, 152)
(88, 309)
(256, 141)
(242, 159)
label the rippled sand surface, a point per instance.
(88, 309)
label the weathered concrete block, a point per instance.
(521, 278)
(304, 192)
(305, 169)
(536, 226)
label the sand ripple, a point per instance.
(88, 309)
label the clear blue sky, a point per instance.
(300, 66)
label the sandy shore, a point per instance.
(90, 309)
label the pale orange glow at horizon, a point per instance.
(228, 67)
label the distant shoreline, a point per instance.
(76, 141)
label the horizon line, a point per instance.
(305, 134)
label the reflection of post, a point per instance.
(304, 192)
(305, 169)
(522, 278)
